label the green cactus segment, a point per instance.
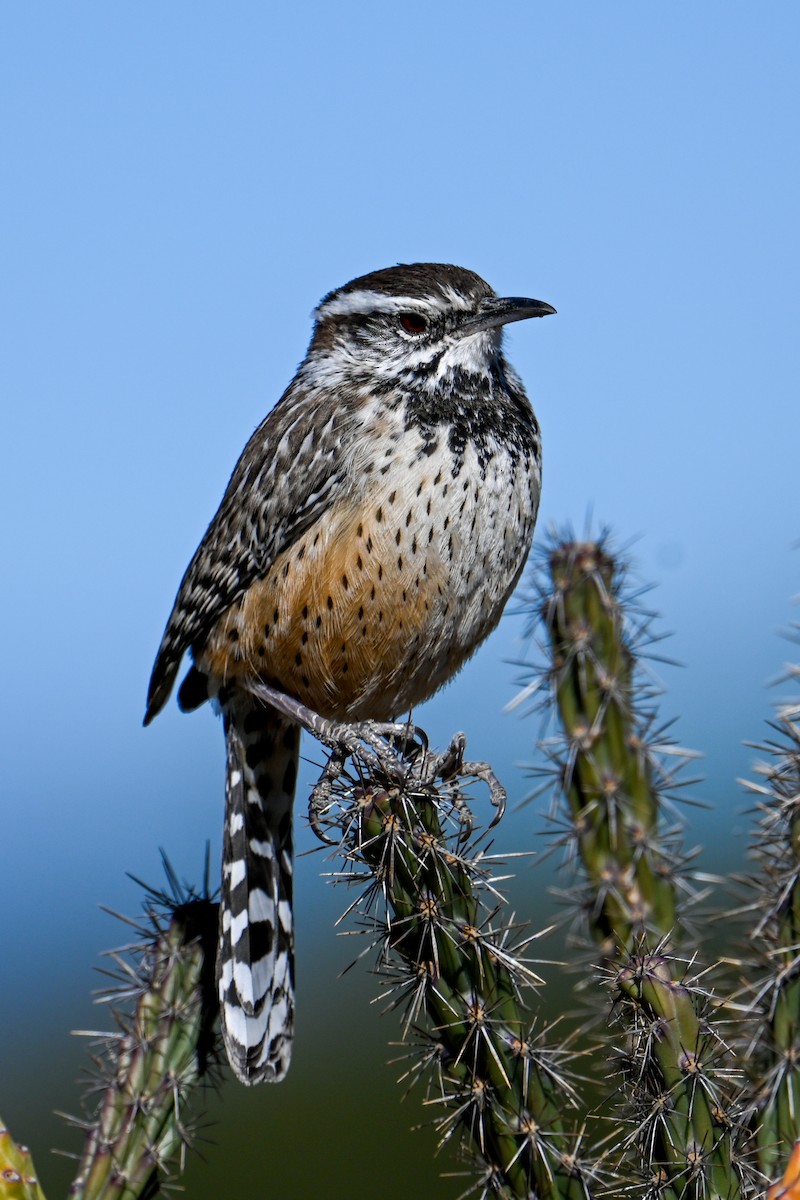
(686, 1133)
(608, 773)
(490, 1078)
(153, 1064)
(774, 1053)
(17, 1175)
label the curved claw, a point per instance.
(498, 796)
(320, 796)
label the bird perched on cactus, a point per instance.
(370, 536)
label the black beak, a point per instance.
(497, 310)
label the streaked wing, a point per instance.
(282, 483)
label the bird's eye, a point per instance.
(413, 322)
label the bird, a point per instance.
(371, 533)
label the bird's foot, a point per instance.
(396, 751)
(450, 767)
(387, 747)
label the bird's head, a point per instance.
(414, 324)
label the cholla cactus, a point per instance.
(430, 902)
(613, 767)
(684, 1136)
(147, 1070)
(773, 1054)
(686, 1139)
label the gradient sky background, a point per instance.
(181, 183)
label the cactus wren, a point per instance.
(372, 531)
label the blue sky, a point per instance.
(183, 182)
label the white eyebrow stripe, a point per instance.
(366, 301)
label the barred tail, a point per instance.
(255, 962)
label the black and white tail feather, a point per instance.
(255, 961)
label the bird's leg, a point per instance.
(392, 748)
(379, 746)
